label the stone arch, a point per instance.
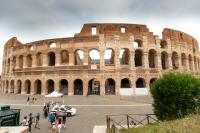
(29, 60)
(109, 56)
(163, 44)
(39, 59)
(53, 45)
(164, 60)
(125, 83)
(140, 83)
(94, 56)
(64, 57)
(110, 86)
(151, 81)
(28, 86)
(12, 84)
(152, 58)
(190, 62)
(124, 56)
(138, 43)
(50, 86)
(175, 63)
(183, 60)
(21, 61)
(94, 87)
(19, 86)
(138, 58)
(79, 56)
(64, 86)
(38, 86)
(78, 87)
(51, 59)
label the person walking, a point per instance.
(30, 122)
(28, 100)
(59, 125)
(45, 111)
(37, 125)
(64, 120)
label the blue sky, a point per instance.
(31, 20)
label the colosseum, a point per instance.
(103, 59)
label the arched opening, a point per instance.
(39, 59)
(64, 57)
(51, 59)
(94, 87)
(38, 87)
(164, 60)
(79, 55)
(109, 57)
(138, 58)
(7, 86)
(183, 60)
(190, 62)
(137, 43)
(163, 44)
(21, 61)
(78, 87)
(152, 58)
(29, 60)
(125, 83)
(64, 86)
(12, 86)
(110, 87)
(50, 86)
(94, 57)
(140, 83)
(152, 80)
(175, 60)
(124, 56)
(19, 86)
(28, 86)
(52, 45)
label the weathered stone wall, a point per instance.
(40, 67)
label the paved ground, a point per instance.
(91, 110)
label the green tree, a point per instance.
(175, 96)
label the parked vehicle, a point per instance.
(64, 110)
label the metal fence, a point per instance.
(126, 121)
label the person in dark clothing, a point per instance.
(28, 100)
(30, 122)
(45, 111)
(37, 121)
(64, 120)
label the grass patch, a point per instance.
(190, 124)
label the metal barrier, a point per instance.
(126, 121)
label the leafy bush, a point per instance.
(175, 96)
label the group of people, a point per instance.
(28, 121)
(31, 100)
(57, 122)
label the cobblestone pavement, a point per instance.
(91, 110)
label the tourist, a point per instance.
(25, 121)
(37, 121)
(28, 100)
(64, 120)
(30, 122)
(52, 118)
(53, 128)
(45, 111)
(59, 125)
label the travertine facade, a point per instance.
(135, 58)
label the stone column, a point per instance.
(85, 59)
(56, 86)
(102, 63)
(159, 61)
(70, 87)
(116, 59)
(71, 59)
(145, 60)
(85, 87)
(102, 87)
(24, 62)
(45, 60)
(180, 63)
(33, 90)
(34, 60)
(118, 86)
(15, 87)
(23, 91)
(17, 63)
(170, 61)
(58, 59)
(187, 64)
(132, 59)
(44, 90)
